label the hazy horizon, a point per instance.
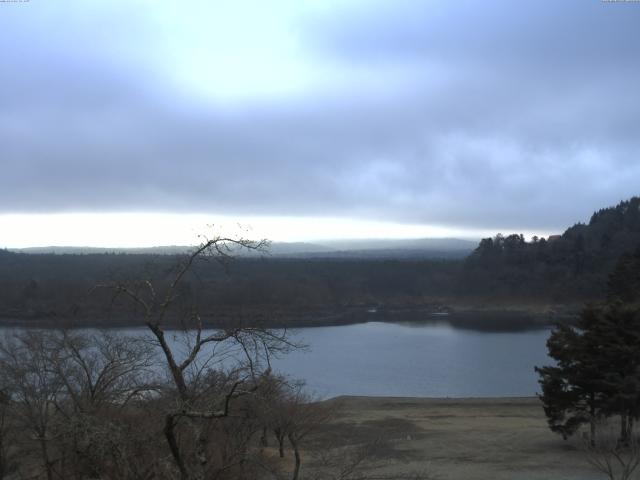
(151, 230)
(286, 248)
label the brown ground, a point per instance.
(467, 439)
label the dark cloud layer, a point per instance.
(491, 114)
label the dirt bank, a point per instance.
(468, 439)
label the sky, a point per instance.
(140, 122)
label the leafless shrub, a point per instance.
(66, 392)
(32, 388)
(612, 458)
(357, 463)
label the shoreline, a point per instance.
(464, 316)
(409, 399)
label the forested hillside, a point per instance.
(33, 287)
(503, 270)
(574, 265)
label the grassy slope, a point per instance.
(471, 439)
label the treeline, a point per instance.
(62, 287)
(597, 371)
(568, 268)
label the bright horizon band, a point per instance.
(155, 229)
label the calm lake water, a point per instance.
(429, 360)
(401, 359)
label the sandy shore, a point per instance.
(497, 438)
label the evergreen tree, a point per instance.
(617, 329)
(624, 281)
(597, 371)
(571, 390)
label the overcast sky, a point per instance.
(314, 118)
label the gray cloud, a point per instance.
(494, 114)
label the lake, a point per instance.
(426, 360)
(433, 359)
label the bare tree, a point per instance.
(242, 351)
(104, 369)
(8, 452)
(101, 374)
(181, 401)
(71, 394)
(617, 460)
(33, 390)
(305, 417)
(291, 414)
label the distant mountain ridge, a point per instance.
(66, 250)
(375, 248)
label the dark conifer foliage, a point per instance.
(571, 266)
(570, 389)
(624, 281)
(597, 373)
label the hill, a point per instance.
(574, 265)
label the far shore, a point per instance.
(455, 438)
(485, 317)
